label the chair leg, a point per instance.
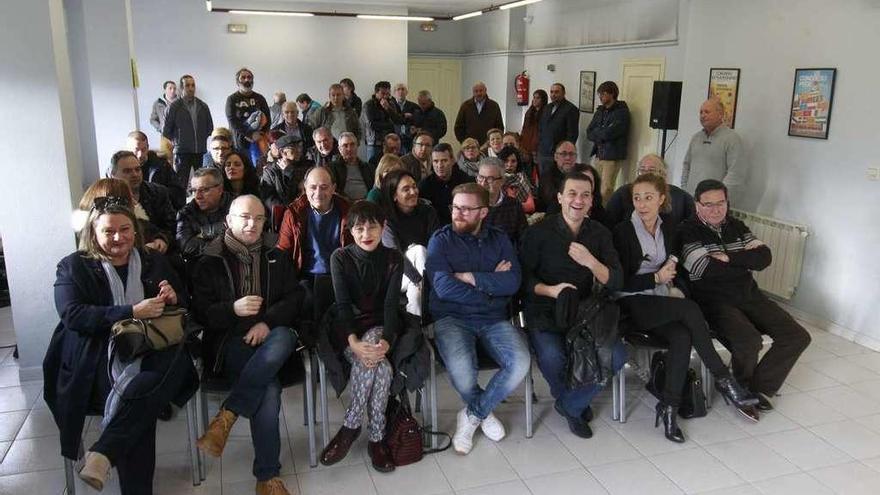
(309, 390)
(325, 409)
(708, 381)
(528, 400)
(192, 431)
(201, 420)
(435, 425)
(615, 396)
(69, 477)
(621, 391)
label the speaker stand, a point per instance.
(663, 146)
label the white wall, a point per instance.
(820, 183)
(295, 55)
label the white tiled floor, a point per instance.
(824, 438)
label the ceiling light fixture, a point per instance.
(208, 5)
(468, 15)
(272, 12)
(394, 18)
(517, 4)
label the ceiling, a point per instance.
(435, 7)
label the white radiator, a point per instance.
(786, 241)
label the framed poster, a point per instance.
(724, 85)
(811, 101)
(587, 103)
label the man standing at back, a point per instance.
(559, 122)
(715, 152)
(169, 94)
(609, 132)
(241, 108)
(474, 271)
(477, 115)
(188, 124)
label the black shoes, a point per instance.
(577, 425)
(764, 403)
(732, 391)
(668, 415)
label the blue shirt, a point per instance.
(323, 239)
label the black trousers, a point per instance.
(129, 441)
(681, 323)
(184, 163)
(740, 328)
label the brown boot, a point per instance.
(337, 449)
(214, 439)
(95, 470)
(272, 487)
(380, 456)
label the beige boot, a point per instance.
(214, 439)
(272, 487)
(95, 470)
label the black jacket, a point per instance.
(159, 171)
(620, 207)
(157, 203)
(378, 121)
(239, 108)
(408, 107)
(179, 127)
(214, 294)
(558, 126)
(432, 121)
(279, 187)
(76, 357)
(340, 172)
(631, 255)
(439, 193)
(196, 228)
(305, 129)
(544, 257)
(547, 190)
(609, 131)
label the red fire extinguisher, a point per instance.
(521, 86)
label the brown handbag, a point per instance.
(135, 337)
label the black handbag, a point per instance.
(693, 400)
(589, 343)
(404, 436)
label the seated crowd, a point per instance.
(281, 236)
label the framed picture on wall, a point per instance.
(811, 101)
(587, 103)
(724, 85)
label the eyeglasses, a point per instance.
(714, 206)
(486, 179)
(464, 209)
(219, 148)
(250, 218)
(566, 154)
(201, 190)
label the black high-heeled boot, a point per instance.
(731, 390)
(669, 414)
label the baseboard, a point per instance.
(30, 374)
(831, 327)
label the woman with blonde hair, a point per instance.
(469, 157)
(386, 164)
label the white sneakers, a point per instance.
(466, 426)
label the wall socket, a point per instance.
(873, 173)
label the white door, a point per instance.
(638, 76)
(442, 77)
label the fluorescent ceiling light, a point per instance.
(468, 15)
(517, 4)
(394, 17)
(271, 12)
(208, 5)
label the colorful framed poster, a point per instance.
(811, 101)
(587, 102)
(724, 85)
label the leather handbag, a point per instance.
(134, 337)
(404, 436)
(693, 400)
(589, 342)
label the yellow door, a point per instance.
(442, 77)
(638, 76)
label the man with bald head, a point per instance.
(477, 115)
(249, 334)
(715, 152)
(620, 205)
(564, 161)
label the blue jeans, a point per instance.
(256, 393)
(550, 352)
(457, 343)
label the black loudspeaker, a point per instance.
(665, 104)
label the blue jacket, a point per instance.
(450, 252)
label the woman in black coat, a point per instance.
(96, 287)
(652, 296)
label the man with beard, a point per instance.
(474, 271)
(155, 169)
(324, 152)
(204, 218)
(437, 187)
(241, 107)
(282, 180)
(418, 162)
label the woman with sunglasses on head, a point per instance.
(112, 278)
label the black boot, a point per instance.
(732, 391)
(670, 424)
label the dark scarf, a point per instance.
(248, 266)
